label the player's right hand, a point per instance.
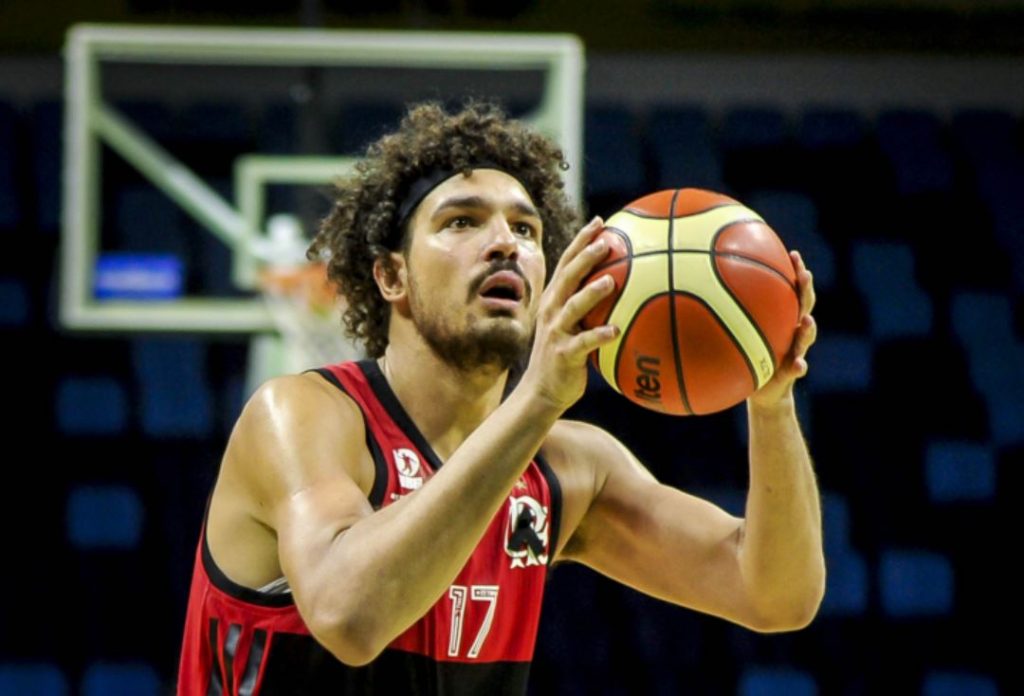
(557, 370)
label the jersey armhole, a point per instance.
(555, 489)
(380, 467)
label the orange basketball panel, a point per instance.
(657, 205)
(691, 201)
(757, 241)
(616, 264)
(770, 301)
(645, 369)
(715, 372)
(688, 202)
(599, 314)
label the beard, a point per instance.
(491, 344)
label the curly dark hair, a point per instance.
(361, 225)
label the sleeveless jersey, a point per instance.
(477, 639)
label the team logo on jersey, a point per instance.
(410, 471)
(526, 532)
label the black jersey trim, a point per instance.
(673, 321)
(216, 685)
(297, 664)
(555, 490)
(228, 586)
(380, 464)
(389, 400)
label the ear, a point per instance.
(391, 278)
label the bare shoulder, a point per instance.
(294, 431)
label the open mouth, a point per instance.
(503, 286)
(502, 293)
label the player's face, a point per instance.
(476, 269)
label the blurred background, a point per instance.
(883, 138)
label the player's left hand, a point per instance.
(794, 366)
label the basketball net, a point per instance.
(304, 306)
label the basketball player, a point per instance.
(386, 526)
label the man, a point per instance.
(386, 526)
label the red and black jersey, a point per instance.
(477, 639)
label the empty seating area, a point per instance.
(913, 223)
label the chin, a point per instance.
(495, 343)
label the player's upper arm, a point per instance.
(655, 538)
(306, 445)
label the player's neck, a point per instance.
(447, 404)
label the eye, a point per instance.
(524, 228)
(460, 222)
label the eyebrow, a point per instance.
(476, 202)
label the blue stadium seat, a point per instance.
(984, 324)
(884, 275)
(682, 149)
(613, 154)
(32, 679)
(1000, 184)
(14, 303)
(983, 319)
(960, 471)
(915, 583)
(757, 151)
(175, 396)
(754, 127)
(105, 678)
(47, 154)
(839, 165)
(943, 683)
(794, 217)
(912, 142)
(841, 363)
(104, 517)
(830, 128)
(776, 681)
(91, 406)
(10, 205)
(846, 591)
(836, 521)
(985, 135)
(999, 376)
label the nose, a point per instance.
(501, 241)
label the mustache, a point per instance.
(497, 266)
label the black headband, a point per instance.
(430, 180)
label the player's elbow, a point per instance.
(349, 636)
(790, 616)
(784, 624)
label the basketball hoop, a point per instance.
(306, 310)
(303, 304)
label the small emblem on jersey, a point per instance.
(526, 533)
(410, 475)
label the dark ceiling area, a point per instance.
(924, 26)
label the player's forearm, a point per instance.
(781, 553)
(389, 568)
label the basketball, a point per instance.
(705, 297)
